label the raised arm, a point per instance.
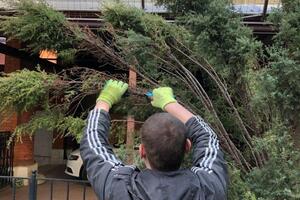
(208, 159)
(96, 153)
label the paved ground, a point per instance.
(59, 188)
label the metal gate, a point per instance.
(33, 187)
(6, 158)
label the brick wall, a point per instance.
(2, 56)
(2, 59)
(23, 150)
(8, 122)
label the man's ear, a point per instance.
(188, 145)
(142, 151)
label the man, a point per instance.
(165, 137)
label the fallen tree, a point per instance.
(166, 40)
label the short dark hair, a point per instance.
(164, 138)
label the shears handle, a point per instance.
(149, 94)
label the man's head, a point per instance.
(163, 142)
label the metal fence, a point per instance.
(49, 194)
(96, 5)
(241, 6)
(6, 158)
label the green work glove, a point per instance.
(162, 96)
(112, 92)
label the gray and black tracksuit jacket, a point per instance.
(111, 179)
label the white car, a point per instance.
(75, 166)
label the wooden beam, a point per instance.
(130, 123)
(265, 9)
(143, 4)
(11, 51)
(130, 140)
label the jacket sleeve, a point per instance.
(96, 152)
(208, 159)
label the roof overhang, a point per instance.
(89, 16)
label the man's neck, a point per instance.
(147, 164)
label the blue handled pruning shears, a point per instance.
(149, 94)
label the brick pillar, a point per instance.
(11, 63)
(24, 149)
(23, 153)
